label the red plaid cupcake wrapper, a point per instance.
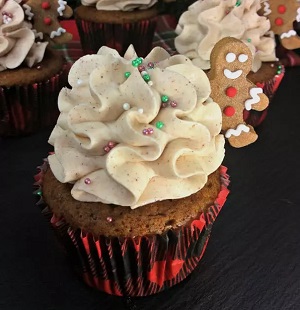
(137, 266)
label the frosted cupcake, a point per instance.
(31, 73)
(135, 181)
(117, 24)
(206, 22)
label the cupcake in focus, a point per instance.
(31, 72)
(117, 24)
(136, 178)
(206, 22)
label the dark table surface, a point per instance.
(253, 257)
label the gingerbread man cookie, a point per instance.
(282, 15)
(44, 17)
(231, 61)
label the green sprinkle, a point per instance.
(39, 192)
(146, 77)
(249, 40)
(159, 124)
(164, 98)
(135, 63)
(238, 3)
(139, 60)
(127, 74)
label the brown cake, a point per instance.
(116, 28)
(154, 218)
(135, 181)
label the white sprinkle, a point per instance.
(150, 83)
(141, 111)
(126, 106)
(79, 82)
(144, 72)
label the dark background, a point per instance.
(253, 257)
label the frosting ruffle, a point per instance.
(208, 21)
(120, 5)
(17, 39)
(118, 143)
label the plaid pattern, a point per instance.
(164, 37)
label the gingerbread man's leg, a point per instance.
(241, 136)
(291, 42)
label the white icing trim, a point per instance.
(232, 74)
(39, 35)
(236, 132)
(288, 34)
(62, 7)
(254, 97)
(267, 10)
(27, 11)
(298, 15)
(57, 33)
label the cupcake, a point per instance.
(206, 22)
(31, 72)
(117, 24)
(135, 181)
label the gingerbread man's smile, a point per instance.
(232, 74)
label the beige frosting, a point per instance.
(208, 21)
(17, 40)
(170, 163)
(120, 5)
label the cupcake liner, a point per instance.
(25, 109)
(255, 118)
(117, 36)
(135, 266)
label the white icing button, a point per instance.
(141, 111)
(243, 58)
(230, 57)
(79, 82)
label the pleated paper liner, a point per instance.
(117, 36)
(135, 266)
(28, 108)
(255, 118)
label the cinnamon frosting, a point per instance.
(208, 21)
(132, 131)
(119, 5)
(17, 39)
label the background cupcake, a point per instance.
(117, 24)
(31, 73)
(135, 181)
(206, 22)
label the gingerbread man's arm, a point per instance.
(258, 101)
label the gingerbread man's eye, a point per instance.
(230, 57)
(243, 58)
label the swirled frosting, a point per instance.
(116, 142)
(120, 5)
(208, 21)
(17, 39)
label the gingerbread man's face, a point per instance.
(236, 60)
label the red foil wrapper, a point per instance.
(28, 108)
(136, 266)
(117, 36)
(255, 118)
